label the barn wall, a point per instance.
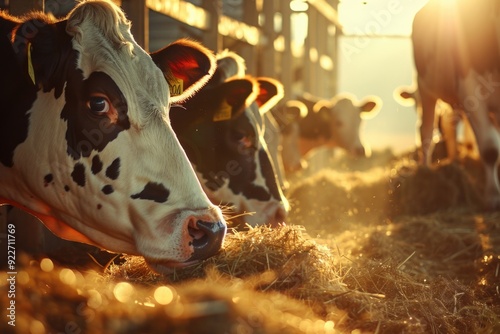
(261, 31)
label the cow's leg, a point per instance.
(449, 132)
(426, 111)
(488, 143)
(489, 147)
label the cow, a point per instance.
(86, 143)
(221, 130)
(271, 92)
(456, 49)
(446, 122)
(312, 122)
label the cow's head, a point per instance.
(305, 126)
(93, 154)
(346, 115)
(220, 129)
(311, 123)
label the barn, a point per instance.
(380, 243)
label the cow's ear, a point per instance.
(370, 106)
(186, 65)
(323, 109)
(233, 97)
(295, 110)
(271, 91)
(229, 65)
(405, 96)
(45, 51)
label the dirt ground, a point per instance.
(375, 245)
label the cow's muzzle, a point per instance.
(207, 238)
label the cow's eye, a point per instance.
(99, 105)
(237, 135)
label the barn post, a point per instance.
(310, 51)
(248, 51)
(287, 56)
(138, 13)
(321, 75)
(211, 37)
(268, 52)
(337, 31)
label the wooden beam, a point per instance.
(138, 13)
(268, 56)
(287, 67)
(204, 19)
(213, 11)
(182, 11)
(329, 12)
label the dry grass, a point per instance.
(383, 248)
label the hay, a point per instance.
(392, 248)
(291, 262)
(63, 300)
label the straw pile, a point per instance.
(386, 248)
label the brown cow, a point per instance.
(457, 56)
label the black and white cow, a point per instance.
(271, 92)
(222, 133)
(86, 144)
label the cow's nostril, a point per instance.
(200, 237)
(196, 233)
(207, 238)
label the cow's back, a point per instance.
(450, 39)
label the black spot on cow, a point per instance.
(78, 174)
(66, 188)
(53, 60)
(88, 129)
(107, 189)
(96, 164)
(113, 171)
(153, 191)
(99, 206)
(47, 179)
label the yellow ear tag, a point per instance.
(224, 112)
(176, 87)
(31, 71)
